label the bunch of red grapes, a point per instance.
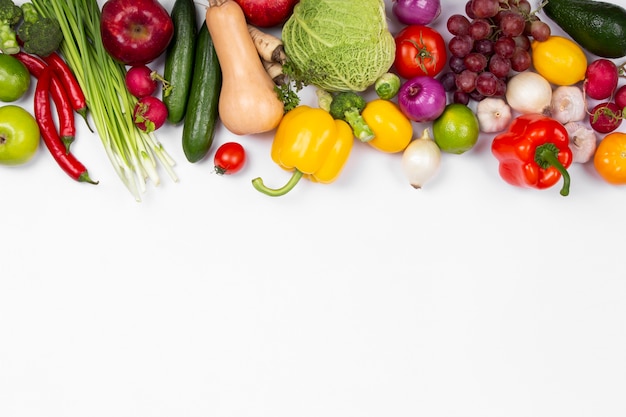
(489, 43)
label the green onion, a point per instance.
(134, 154)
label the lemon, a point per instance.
(456, 130)
(559, 60)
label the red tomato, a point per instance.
(420, 50)
(229, 158)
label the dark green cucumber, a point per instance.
(597, 26)
(202, 107)
(179, 58)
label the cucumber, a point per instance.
(179, 59)
(597, 26)
(202, 107)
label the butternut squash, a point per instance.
(248, 102)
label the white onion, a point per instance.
(529, 92)
(421, 160)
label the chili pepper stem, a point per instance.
(84, 177)
(67, 141)
(546, 155)
(83, 113)
(277, 192)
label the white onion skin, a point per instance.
(421, 160)
(528, 92)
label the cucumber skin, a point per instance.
(179, 59)
(597, 26)
(202, 106)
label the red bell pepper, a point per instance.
(534, 152)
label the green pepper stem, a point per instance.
(277, 192)
(546, 155)
(67, 141)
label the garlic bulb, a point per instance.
(568, 104)
(493, 114)
(582, 141)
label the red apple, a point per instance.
(267, 13)
(135, 32)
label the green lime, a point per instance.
(456, 130)
(14, 78)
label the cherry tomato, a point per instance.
(420, 50)
(610, 158)
(229, 158)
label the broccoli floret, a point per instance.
(10, 16)
(348, 105)
(40, 35)
(10, 13)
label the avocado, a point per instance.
(598, 27)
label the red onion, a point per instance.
(422, 98)
(416, 12)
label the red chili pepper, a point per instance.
(67, 125)
(70, 82)
(534, 152)
(43, 113)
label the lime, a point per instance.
(456, 130)
(14, 78)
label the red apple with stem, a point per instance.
(135, 32)
(267, 13)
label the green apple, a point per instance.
(14, 78)
(19, 135)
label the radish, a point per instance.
(605, 117)
(149, 114)
(141, 81)
(620, 97)
(601, 79)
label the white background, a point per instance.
(362, 298)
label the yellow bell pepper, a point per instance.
(392, 129)
(311, 144)
(559, 60)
